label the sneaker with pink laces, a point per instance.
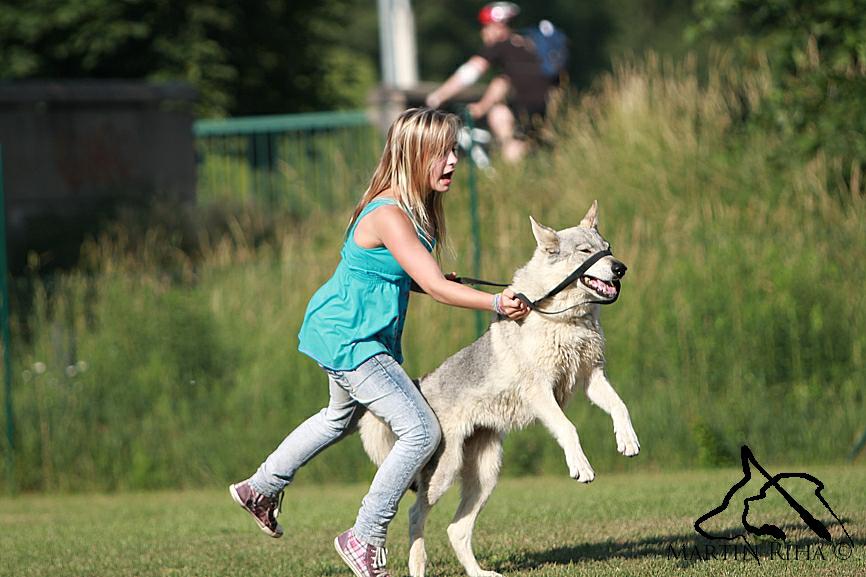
(364, 560)
(263, 508)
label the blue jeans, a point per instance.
(382, 387)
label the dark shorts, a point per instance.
(529, 120)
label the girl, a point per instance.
(353, 325)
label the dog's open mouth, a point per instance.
(603, 288)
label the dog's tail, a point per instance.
(377, 437)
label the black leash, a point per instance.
(533, 305)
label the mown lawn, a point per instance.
(623, 524)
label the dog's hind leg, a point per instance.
(417, 520)
(482, 458)
(447, 464)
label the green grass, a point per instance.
(622, 524)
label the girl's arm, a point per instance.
(452, 276)
(398, 235)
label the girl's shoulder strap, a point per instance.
(371, 206)
(383, 200)
(376, 203)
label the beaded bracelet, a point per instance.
(497, 308)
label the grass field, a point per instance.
(622, 524)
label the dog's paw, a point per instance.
(626, 440)
(585, 476)
(581, 470)
(417, 558)
(483, 573)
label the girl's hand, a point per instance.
(514, 309)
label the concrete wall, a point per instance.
(72, 150)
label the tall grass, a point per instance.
(742, 318)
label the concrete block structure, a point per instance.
(72, 150)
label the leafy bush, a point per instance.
(817, 53)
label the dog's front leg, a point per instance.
(550, 414)
(601, 393)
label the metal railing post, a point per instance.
(6, 334)
(858, 446)
(473, 218)
(269, 150)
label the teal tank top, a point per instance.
(359, 312)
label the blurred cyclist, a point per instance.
(520, 77)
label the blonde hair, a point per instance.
(416, 140)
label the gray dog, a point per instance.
(513, 374)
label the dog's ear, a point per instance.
(591, 218)
(545, 237)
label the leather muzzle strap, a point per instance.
(533, 305)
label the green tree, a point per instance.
(817, 51)
(278, 56)
(243, 57)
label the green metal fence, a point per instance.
(295, 160)
(301, 161)
(6, 335)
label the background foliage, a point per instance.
(169, 358)
(280, 56)
(729, 172)
(243, 57)
(817, 52)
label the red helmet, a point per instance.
(498, 12)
